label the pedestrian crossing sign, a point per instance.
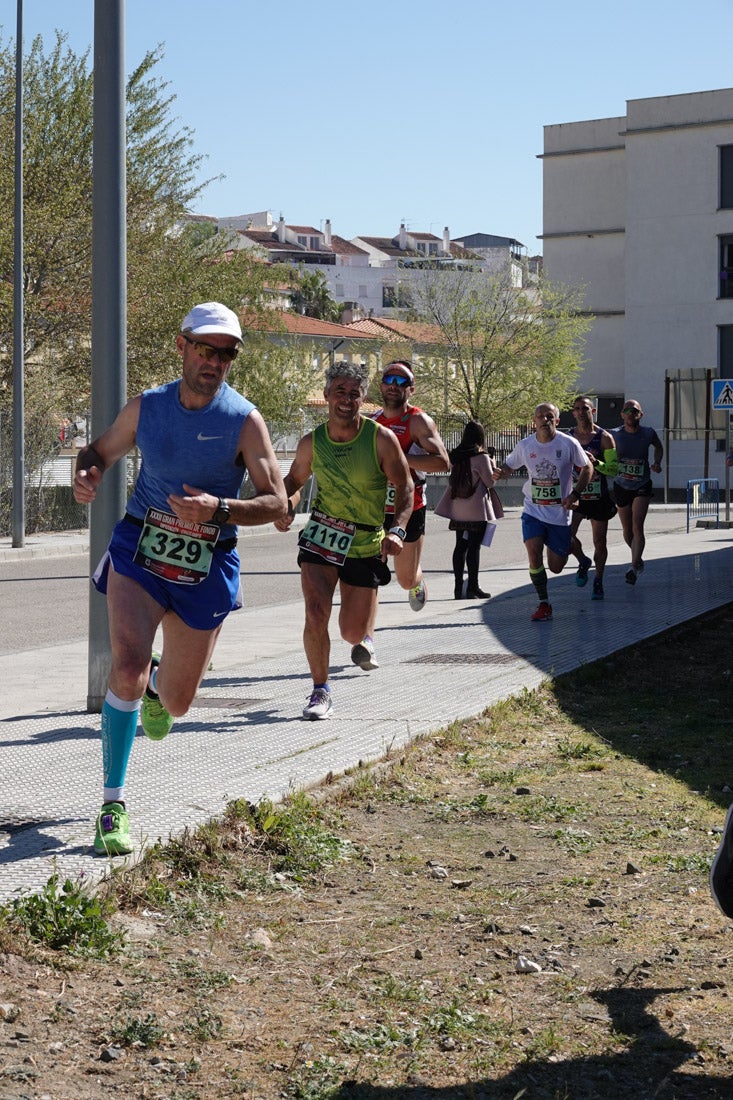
(723, 393)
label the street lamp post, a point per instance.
(109, 306)
(18, 510)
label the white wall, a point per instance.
(654, 174)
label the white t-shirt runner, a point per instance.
(550, 468)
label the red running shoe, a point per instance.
(543, 614)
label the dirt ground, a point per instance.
(517, 906)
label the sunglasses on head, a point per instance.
(207, 352)
(395, 380)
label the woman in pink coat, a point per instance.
(470, 504)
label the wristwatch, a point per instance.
(399, 531)
(222, 513)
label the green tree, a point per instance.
(312, 298)
(170, 264)
(280, 376)
(499, 349)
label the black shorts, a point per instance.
(415, 525)
(625, 497)
(603, 509)
(358, 572)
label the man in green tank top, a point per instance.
(344, 542)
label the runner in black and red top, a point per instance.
(596, 502)
(425, 452)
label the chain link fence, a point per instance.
(50, 460)
(51, 456)
(503, 443)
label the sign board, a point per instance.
(723, 393)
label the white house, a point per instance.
(497, 252)
(638, 210)
(369, 275)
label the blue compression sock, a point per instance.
(119, 725)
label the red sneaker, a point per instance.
(543, 614)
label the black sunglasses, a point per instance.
(207, 352)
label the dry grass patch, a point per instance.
(516, 906)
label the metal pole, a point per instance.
(708, 420)
(18, 516)
(666, 436)
(109, 306)
(728, 470)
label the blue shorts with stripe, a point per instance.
(556, 536)
(202, 606)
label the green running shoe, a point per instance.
(155, 719)
(112, 836)
(418, 596)
(581, 577)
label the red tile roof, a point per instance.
(461, 253)
(268, 239)
(343, 247)
(386, 244)
(385, 327)
(303, 326)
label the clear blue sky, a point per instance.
(426, 111)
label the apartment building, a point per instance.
(369, 275)
(638, 210)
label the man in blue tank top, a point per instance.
(172, 558)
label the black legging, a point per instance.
(467, 553)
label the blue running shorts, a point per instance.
(554, 535)
(201, 606)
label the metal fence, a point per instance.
(50, 504)
(703, 500)
(503, 443)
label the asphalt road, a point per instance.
(44, 602)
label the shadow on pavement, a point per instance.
(27, 841)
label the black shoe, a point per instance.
(477, 594)
(458, 591)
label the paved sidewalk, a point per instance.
(245, 737)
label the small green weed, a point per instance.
(145, 1031)
(498, 778)
(579, 750)
(381, 1037)
(545, 1043)
(205, 1025)
(544, 808)
(297, 836)
(574, 841)
(453, 1020)
(315, 1079)
(207, 981)
(680, 863)
(404, 992)
(65, 918)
